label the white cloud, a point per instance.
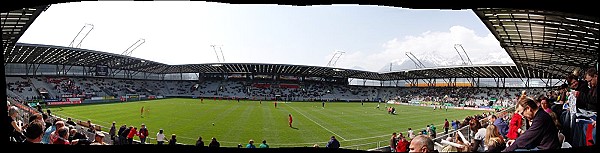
(432, 45)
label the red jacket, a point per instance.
(143, 133)
(132, 133)
(402, 145)
(513, 127)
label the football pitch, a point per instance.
(356, 126)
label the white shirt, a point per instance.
(411, 134)
(160, 137)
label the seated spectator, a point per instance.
(421, 143)
(250, 144)
(173, 140)
(99, 139)
(541, 135)
(62, 136)
(200, 143)
(70, 122)
(34, 132)
(333, 143)
(264, 144)
(493, 140)
(214, 143)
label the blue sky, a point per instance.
(182, 32)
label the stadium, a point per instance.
(238, 102)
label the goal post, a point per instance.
(132, 97)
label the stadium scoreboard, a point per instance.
(101, 70)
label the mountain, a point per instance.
(431, 60)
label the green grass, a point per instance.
(236, 123)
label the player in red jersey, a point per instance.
(290, 119)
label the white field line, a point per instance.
(318, 123)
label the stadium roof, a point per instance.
(543, 44)
(550, 41)
(16, 22)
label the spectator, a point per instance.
(433, 131)
(123, 131)
(199, 142)
(33, 134)
(143, 134)
(402, 145)
(70, 122)
(132, 132)
(591, 76)
(99, 139)
(544, 103)
(333, 143)
(15, 131)
(493, 140)
(74, 135)
(160, 137)
(411, 133)
(421, 143)
(250, 144)
(173, 140)
(500, 124)
(446, 126)
(542, 134)
(52, 136)
(263, 144)
(393, 142)
(214, 143)
(113, 132)
(477, 143)
(62, 136)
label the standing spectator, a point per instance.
(34, 132)
(493, 140)
(250, 144)
(446, 126)
(402, 145)
(457, 125)
(214, 143)
(123, 131)
(113, 132)
(15, 130)
(132, 132)
(143, 133)
(422, 144)
(393, 142)
(542, 134)
(70, 122)
(454, 125)
(333, 143)
(160, 137)
(411, 133)
(199, 142)
(173, 140)
(263, 144)
(433, 131)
